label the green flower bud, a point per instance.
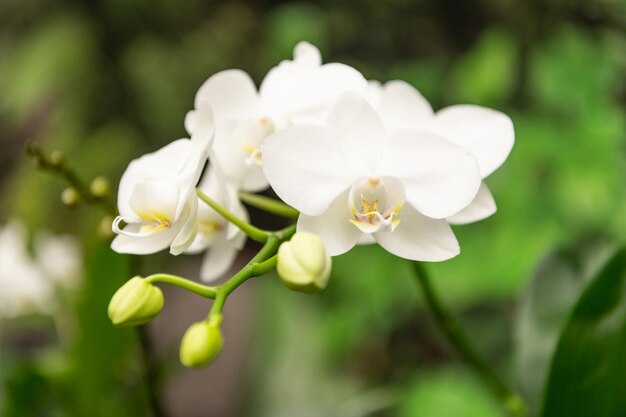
(136, 302)
(56, 158)
(303, 264)
(201, 343)
(99, 187)
(70, 197)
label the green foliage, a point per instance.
(556, 286)
(589, 366)
(448, 393)
(103, 381)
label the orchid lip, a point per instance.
(375, 203)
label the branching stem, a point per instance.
(452, 329)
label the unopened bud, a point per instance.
(70, 197)
(99, 187)
(104, 227)
(303, 264)
(56, 158)
(134, 303)
(201, 343)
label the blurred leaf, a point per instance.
(103, 383)
(556, 285)
(588, 372)
(450, 393)
(291, 23)
(487, 74)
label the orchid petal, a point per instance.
(333, 226)
(189, 229)
(402, 106)
(480, 208)
(303, 90)
(420, 238)
(231, 93)
(155, 201)
(145, 244)
(218, 260)
(440, 178)
(304, 169)
(360, 131)
(161, 165)
(488, 134)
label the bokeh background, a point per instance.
(106, 81)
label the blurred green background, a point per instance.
(105, 81)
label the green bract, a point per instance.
(303, 263)
(136, 302)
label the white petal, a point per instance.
(440, 178)
(333, 226)
(234, 205)
(480, 208)
(402, 106)
(201, 142)
(366, 239)
(155, 200)
(307, 54)
(302, 165)
(488, 134)
(189, 229)
(361, 134)
(162, 165)
(146, 244)
(231, 93)
(420, 238)
(218, 260)
(303, 92)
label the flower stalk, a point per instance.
(194, 287)
(253, 232)
(453, 331)
(269, 205)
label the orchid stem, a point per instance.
(60, 169)
(263, 262)
(269, 205)
(200, 289)
(253, 232)
(452, 329)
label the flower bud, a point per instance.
(99, 187)
(56, 158)
(70, 197)
(201, 343)
(303, 264)
(136, 302)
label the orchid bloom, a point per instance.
(302, 90)
(487, 134)
(222, 239)
(352, 178)
(24, 287)
(156, 197)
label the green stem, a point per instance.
(269, 205)
(450, 326)
(260, 264)
(253, 232)
(62, 170)
(200, 289)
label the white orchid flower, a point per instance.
(156, 197)
(60, 258)
(222, 238)
(352, 177)
(292, 92)
(24, 288)
(488, 134)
